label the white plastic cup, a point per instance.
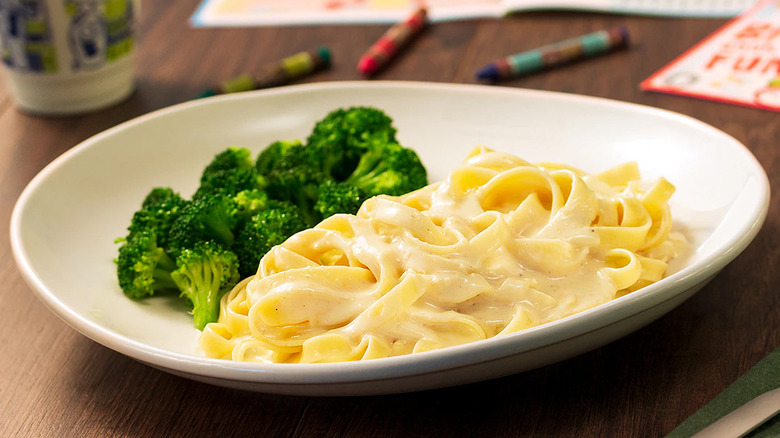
(68, 56)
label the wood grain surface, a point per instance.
(54, 382)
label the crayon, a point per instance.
(556, 54)
(277, 74)
(387, 47)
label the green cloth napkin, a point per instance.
(763, 377)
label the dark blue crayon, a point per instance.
(553, 55)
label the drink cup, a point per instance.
(68, 56)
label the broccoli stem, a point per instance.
(204, 292)
(204, 274)
(366, 168)
(162, 273)
(222, 232)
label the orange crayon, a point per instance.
(388, 46)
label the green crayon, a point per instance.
(277, 74)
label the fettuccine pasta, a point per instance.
(499, 246)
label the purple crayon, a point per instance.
(553, 55)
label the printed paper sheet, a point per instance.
(739, 63)
(287, 12)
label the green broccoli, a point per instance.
(243, 207)
(160, 196)
(389, 169)
(229, 172)
(231, 158)
(250, 202)
(356, 146)
(299, 186)
(143, 267)
(229, 182)
(291, 175)
(277, 154)
(342, 136)
(203, 219)
(203, 274)
(158, 211)
(263, 231)
(334, 198)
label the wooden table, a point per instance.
(56, 382)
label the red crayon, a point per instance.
(385, 49)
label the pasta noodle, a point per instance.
(499, 246)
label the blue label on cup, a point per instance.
(26, 40)
(99, 31)
(87, 35)
(96, 32)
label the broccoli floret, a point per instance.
(207, 218)
(334, 198)
(230, 172)
(158, 211)
(160, 196)
(389, 169)
(250, 202)
(203, 274)
(230, 159)
(229, 182)
(298, 186)
(292, 175)
(263, 231)
(342, 136)
(277, 154)
(143, 267)
(355, 145)
(352, 126)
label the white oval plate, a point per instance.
(65, 221)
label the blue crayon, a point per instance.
(555, 54)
